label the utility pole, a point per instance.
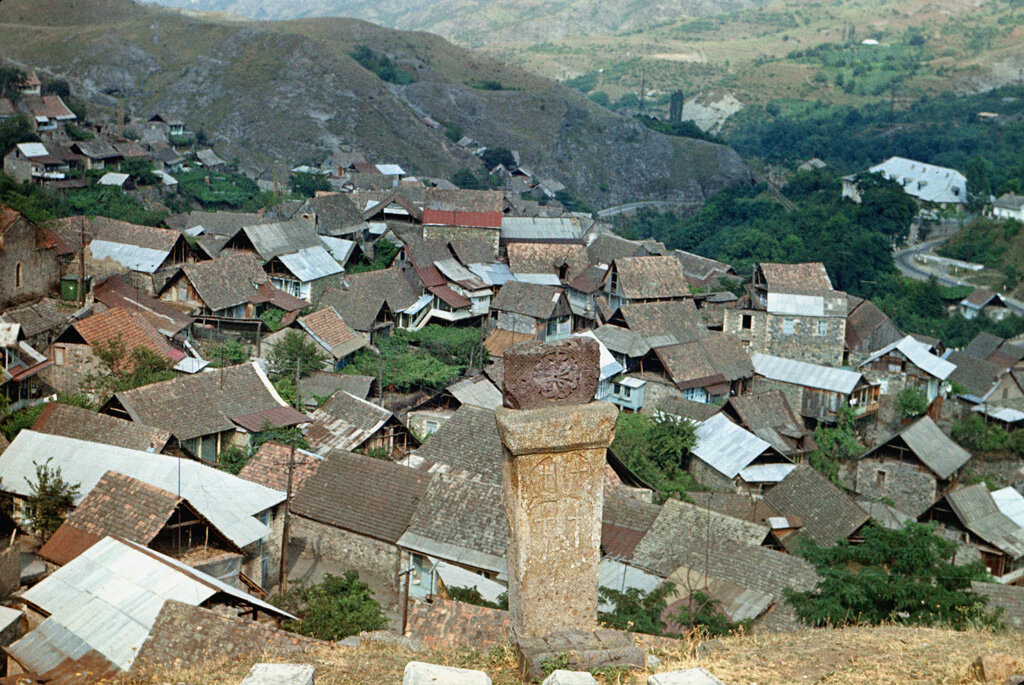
(643, 87)
(283, 574)
(81, 262)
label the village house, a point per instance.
(520, 230)
(987, 303)
(829, 516)
(116, 292)
(868, 329)
(995, 350)
(337, 342)
(69, 421)
(626, 345)
(708, 369)
(373, 302)
(1009, 206)
(334, 214)
(48, 115)
(791, 311)
(317, 386)
(245, 512)
(911, 468)
(143, 251)
(78, 353)
(541, 311)
(971, 517)
(98, 154)
(645, 279)
(986, 384)
(704, 273)
(29, 260)
(908, 363)
(208, 411)
(817, 392)
(23, 383)
(338, 517)
(347, 423)
(75, 603)
(729, 458)
(451, 292)
(40, 321)
(169, 125)
(929, 184)
(460, 214)
(769, 416)
(38, 163)
(466, 442)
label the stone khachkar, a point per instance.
(555, 439)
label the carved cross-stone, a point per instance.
(551, 374)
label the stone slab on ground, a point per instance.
(578, 650)
(688, 676)
(280, 674)
(421, 673)
(563, 677)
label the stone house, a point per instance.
(708, 369)
(829, 515)
(539, 310)
(1009, 206)
(452, 292)
(336, 340)
(985, 383)
(48, 115)
(645, 279)
(208, 411)
(98, 153)
(467, 442)
(73, 352)
(243, 511)
(912, 468)
(817, 392)
(908, 363)
(463, 214)
(38, 162)
(791, 311)
(971, 517)
(29, 260)
(769, 416)
(982, 301)
(351, 513)
(346, 422)
(41, 321)
(730, 458)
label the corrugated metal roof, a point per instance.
(108, 597)
(540, 228)
(609, 367)
(493, 274)
(390, 170)
(452, 552)
(340, 249)
(477, 391)
(136, 258)
(456, 576)
(112, 178)
(619, 576)
(419, 304)
(229, 502)
(800, 305)
(541, 279)
(766, 473)
(927, 182)
(726, 447)
(1000, 413)
(977, 510)
(917, 352)
(624, 340)
(934, 448)
(803, 373)
(311, 263)
(1011, 503)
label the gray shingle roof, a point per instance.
(227, 281)
(468, 441)
(74, 422)
(368, 496)
(622, 340)
(665, 323)
(828, 513)
(929, 444)
(360, 297)
(651, 277)
(978, 512)
(528, 299)
(287, 237)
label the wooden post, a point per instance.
(283, 573)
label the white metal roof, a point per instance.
(539, 279)
(917, 352)
(539, 228)
(798, 305)
(311, 263)
(109, 597)
(766, 473)
(390, 170)
(620, 576)
(229, 502)
(1000, 413)
(479, 392)
(33, 149)
(925, 181)
(803, 373)
(112, 178)
(493, 273)
(609, 367)
(727, 447)
(456, 576)
(339, 248)
(1011, 503)
(143, 259)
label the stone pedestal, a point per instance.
(553, 478)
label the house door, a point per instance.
(208, 448)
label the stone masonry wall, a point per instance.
(40, 270)
(911, 489)
(766, 334)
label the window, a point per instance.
(58, 356)
(789, 326)
(431, 427)
(624, 392)
(17, 275)
(823, 328)
(748, 322)
(879, 478)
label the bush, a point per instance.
(272, 318)
(334, 609)
(381, 65)
(911, 402)
(307, 185)
(657, 450)
(232, 458)
(228, 353)
(294, 350)
(470, 595)
(50, 498)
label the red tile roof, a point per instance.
(269, 466)
(133, 328)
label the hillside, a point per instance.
(290, 91)
(482, 22)
(852, 655)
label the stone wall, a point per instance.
(517, 323)
(794, 393)
(10, 570)
(815, 339)
(27, 272)
(78, 362)
(910, 487)
(710, 477)
(491, 235)
(346, 550)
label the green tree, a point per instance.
(493, 156)
(141, 170)
(229, 353)
(306, 184)
(911, 402)
(636, 610)
(885, 206)
(337, 607)
(11, 79)
(657, 449)
(836, 444)
(49, 500)
(14, 130)
(295, 350)
(123, 370)
(902, 576)
(384, 252)
(232, 458)
(704, 613)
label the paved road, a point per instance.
(634, 206)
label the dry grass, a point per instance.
(852, 655)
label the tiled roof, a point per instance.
(809, 277)
(979, 514)
(983, 345)
(227, 281)
(665, 323)
(201, 404)
(269, 466)
(769, 416)
(547, 258)
(460, 200)
(131, 327)
(344, 422)
(331, 331)
(114, 231)
(499, 340)
(83, 424)
(368, 496)
(66, 543)
(116, 292)
(123, 506)
(189, 636)
(651, 278)
(686, 409)
(324, 384)
(529, 299)
(735, 504)
(217, 223)
(625, 521)
(868, 328)
(706, 362)
(828, 513)
(977, 376)
(334, 211)
(700, 269)
(49, 106)
(37, 317)
(606, 248)
(623, 340)
(468, 442)
(360, 296)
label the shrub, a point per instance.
(50, 498)
(911, 402)
(232, 458)
(337, 607)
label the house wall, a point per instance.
(376, 561)
(18, 169)
(10, 570)
(750, 326)
(182, 295)
(40, 269)
(1006, 391)
(768, 334)
(419, 420)
(710, 477)
(794, 393)
(518, 323)
(911, 488)
(224, 568)
(78, 361)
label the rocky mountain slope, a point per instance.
(481, 21)
(289, 91)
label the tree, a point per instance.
(657, 449)
(50, 498)
(902, 576)
(11, 79)
(835, 445)
(337, 607)
(306, 184)
(295, 349)
(636, 610)
(885, 205)
(229, 353)
(911, 402)
(120, 370)
(493, 156)
(232, 458)
(14, 130)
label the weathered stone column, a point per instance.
(554, 465)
